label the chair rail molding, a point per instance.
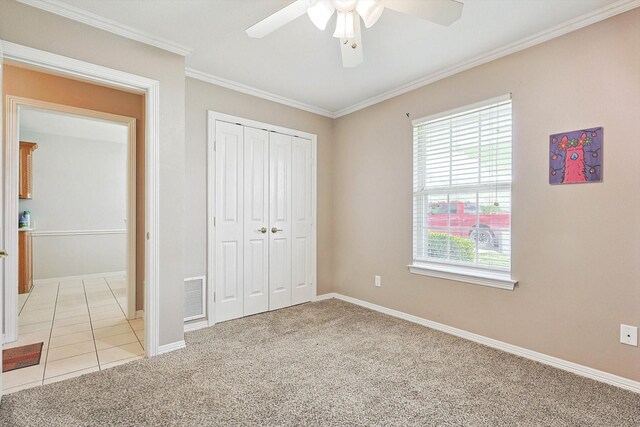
(47, 233)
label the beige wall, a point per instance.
(575, 247)
(571, 298)
(203, 96)
(26, 83)
(41, 30)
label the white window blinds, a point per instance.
(462, 187)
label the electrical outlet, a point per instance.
(629, 335)
(377, 281)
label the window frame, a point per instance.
(498, 277)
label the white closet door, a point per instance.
(229, 221)
(256, 221)
(280, 221)
(302, 219)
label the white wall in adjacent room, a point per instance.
(79, 193)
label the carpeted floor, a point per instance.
(325, 363)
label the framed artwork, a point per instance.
(575, 157)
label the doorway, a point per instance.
(19, 55)
(76, 266)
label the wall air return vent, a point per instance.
(194, 298)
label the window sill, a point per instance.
(465, 274)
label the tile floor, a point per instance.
(83, 326)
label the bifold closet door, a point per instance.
(302, 220)
(263, 220)
(229, 221)
(256, 221)
(280, 221)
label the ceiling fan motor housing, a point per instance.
(349, 13)
(344, 5)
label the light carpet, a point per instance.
(325, 363)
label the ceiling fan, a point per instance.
(349, 13)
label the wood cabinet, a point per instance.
(25, 188)
(25, 191)
(25, 264)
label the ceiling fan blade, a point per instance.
(278, 19)
(351, 48)
(443, 12)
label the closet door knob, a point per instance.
(262, 230)
(274, 230)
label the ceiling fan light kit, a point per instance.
(349, 12)
(344, 5)
(320, 13)
(370, 11)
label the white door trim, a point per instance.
(1, 215)
(93, 73)
(212, 116)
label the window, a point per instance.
(462, 194)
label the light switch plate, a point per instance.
(629, 335)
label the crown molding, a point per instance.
(541, 37)
(80, 15)
(63, 9)
(239, 87)
(577, 23)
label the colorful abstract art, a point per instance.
(575, 157)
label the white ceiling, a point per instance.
(53, 123)
(301, 63)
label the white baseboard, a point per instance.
(171, 347)
(81, 277)
(565, 365)
(326, 296)
(195, 326)
(140, 314)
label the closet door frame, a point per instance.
(212, 117)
